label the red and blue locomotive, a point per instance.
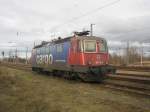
(79, 56)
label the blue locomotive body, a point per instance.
(50, 54)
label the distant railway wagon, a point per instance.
(79, 56)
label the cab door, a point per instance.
(73, 58)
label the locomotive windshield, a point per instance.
(90, 46)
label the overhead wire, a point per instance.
(86, 14)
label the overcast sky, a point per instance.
(115, 20)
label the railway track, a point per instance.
(134, 68)
(138, 85)
(131, 83)
(17, 66)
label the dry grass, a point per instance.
(22, 91)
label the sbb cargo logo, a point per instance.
(44, 59)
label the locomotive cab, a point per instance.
(88, 51)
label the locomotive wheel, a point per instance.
(66, 75)
(70, 75)
(57, 73)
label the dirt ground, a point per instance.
(23, 91)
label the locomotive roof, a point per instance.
(54, 42)
(68, 39)
(91, 38)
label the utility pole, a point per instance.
(141, 54)
(16, 50)
(16, 57)
(120, 55)
(27, 55)
(91, 26)
(3, 54)
(9, 58)
(127, 53)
